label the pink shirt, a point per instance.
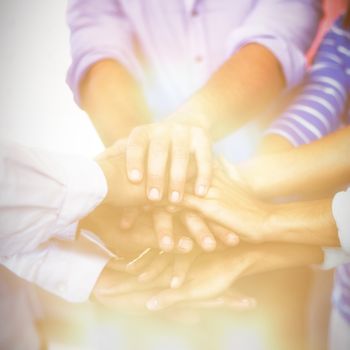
(172, 47)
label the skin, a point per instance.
(130, 244)
(253, 220)
(128, 196)
(323, 165)
(228, 93)
(212, 274)
(185, 133)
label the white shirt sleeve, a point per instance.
(68, 269)
(334, 257)
(286, 28)
(43, 196)
(341, 214)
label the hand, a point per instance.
(121, 192)
(195, 226)
(104, 222)
(209, 276)
(159, 150)
(230, 205)
(123, 291)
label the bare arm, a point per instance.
(321, 165)
(309, 222)
(243, 87)
(113, 100)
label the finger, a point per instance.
(213, 210)
(181, 267)
(136, 154)
(180, 152)
(238, 301)
(209, 208)
(184, 245)
(129, 301)
(163, 225)
(225, 235)
(126, 285)
(118, 264)
(199, 231)
(166, 298)
(142, 260)
(116, 149)
(201, 148)
(128, 217)
(205, 304)
(155, 268)
(157, 162)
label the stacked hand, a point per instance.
(167, 207)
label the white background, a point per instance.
(36, 105)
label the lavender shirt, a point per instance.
(172, 47)
(322, 107)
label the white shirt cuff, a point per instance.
(341, 214)
(86, 187)
(334, 257)
(68, 269)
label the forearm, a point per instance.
(309, 222)
(321, 165)
(113, 100)
(275, 256)
(243, 87)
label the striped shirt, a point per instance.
(321, 108)
(322, 105)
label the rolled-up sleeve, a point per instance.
(98, 30)
(44, 195)
(68, 269)
(286, 28)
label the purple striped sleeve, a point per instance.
(317, 110)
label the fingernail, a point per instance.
(248, 302)
(185, 244)
(154, 194)
(231, 239)
(209, 243)
(201, 190)
(175, 282)
(143, 277)
(166, 243)
(175, 196)
(152, 304)
(135, 175)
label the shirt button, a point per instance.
(198, 59)
(194, 13)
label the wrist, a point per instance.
(246, 255)
(191, 116)
(277, 224)
(258, 175)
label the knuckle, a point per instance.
(180, 152)
(134, 151)
(155, 177)
(178, 175)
